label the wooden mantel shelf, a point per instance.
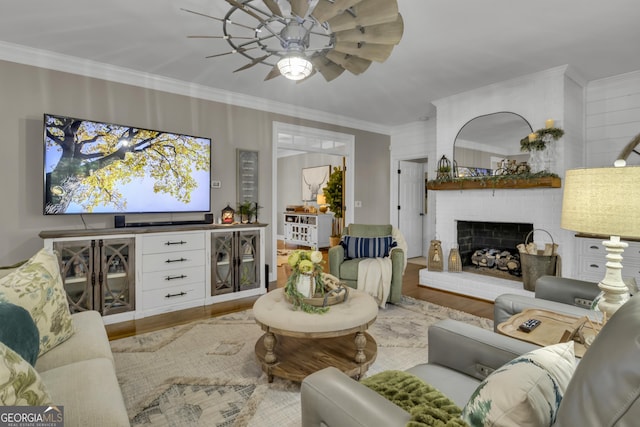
(506, 183)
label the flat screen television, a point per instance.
(103, 168)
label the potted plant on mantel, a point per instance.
(333, 193)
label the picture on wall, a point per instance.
(313, 181)
(247, 169)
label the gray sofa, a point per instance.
(603, 391)
(561, 295)
(80, 375)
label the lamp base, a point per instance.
(614, 291)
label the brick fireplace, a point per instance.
(520, 209)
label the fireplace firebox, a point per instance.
(496, 237)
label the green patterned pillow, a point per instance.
(20, 384)
(524, 392)
(37, 286)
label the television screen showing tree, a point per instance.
(95, 167)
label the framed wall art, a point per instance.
(313, 181)
(247, 175)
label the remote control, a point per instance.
(529, 325)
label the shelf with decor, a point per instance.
(492, 183)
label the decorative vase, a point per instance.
(306, 285)
(543, 160)
(455, 263)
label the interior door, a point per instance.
(411, 201)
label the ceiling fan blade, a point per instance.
(329, 69)
(272, 5)
(240, 50)
(370, 51)
(353, 64)
(275, 72)
(252, 63)
(222, 37)
(300, 7)
(326, 9)
(388, 33)
(218, 19)
(370, 12)
(245, 9)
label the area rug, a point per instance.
(205, 373)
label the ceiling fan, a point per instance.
(298, 38)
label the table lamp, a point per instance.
(322, 203)
(605, 202)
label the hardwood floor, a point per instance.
(410, 288)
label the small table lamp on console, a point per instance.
(322, 203)
(605, 202)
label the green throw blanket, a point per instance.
(427, 406)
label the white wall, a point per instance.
(612, 118)
(412, 141)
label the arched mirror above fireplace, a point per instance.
(485, 141)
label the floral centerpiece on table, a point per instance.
(305, 280)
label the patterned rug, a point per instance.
(205, 373)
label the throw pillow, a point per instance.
(19, 332)
(20, 384)
(37, 286)
(427, 405)
(367, 247)
(524, 392)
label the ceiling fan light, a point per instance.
(295, 67)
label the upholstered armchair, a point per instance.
(346, 269)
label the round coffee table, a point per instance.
(296, 344)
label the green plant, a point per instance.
(333, 194)
(247, 210)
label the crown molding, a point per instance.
(87, 68)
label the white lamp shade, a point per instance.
(295, 67)
(321, 199)
(602, 201)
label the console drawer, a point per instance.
(172, 260)
(172, 242)
(173, 295)
(170, 278)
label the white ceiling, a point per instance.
(448, 47)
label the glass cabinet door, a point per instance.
(98, 274)
(116, 276)
(248, 247)
(76, 267)
(222, 277)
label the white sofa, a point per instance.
(79, 374)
